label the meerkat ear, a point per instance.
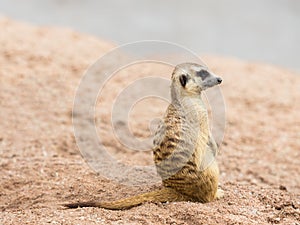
(183, 80)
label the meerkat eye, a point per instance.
(183, 79)
(203, 74)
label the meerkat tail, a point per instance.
(161, 195)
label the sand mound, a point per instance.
(41, 167)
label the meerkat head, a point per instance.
(191, 79)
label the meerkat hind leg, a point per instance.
(219, 194)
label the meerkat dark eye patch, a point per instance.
(203, 74)
(183, 80)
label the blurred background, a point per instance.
(257, 30)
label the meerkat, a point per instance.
(184, 150)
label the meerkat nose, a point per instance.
(219, 79)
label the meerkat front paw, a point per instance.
(219, 194)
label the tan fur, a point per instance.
(184, 150)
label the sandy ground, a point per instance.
(41, 166)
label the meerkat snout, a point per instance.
(209, 79)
